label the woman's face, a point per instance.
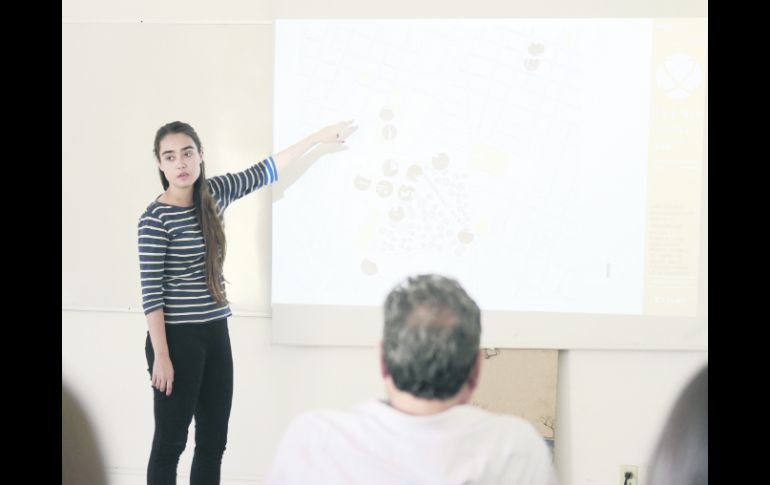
(180, 160)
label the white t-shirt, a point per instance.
(374, 443)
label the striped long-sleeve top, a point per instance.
(172, 253)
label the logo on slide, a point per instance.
(679, 76)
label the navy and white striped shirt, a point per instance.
(172, 254)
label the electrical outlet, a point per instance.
(629, 475)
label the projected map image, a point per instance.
(426, 202)
(514, 155)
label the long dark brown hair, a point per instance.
(205, 210)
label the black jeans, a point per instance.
(203, 388)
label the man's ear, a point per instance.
(473, 377)
(383, 368)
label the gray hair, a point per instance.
(431, 336)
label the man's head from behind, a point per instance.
(431, 337)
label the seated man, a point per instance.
(426, 432)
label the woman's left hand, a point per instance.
(335, 133)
